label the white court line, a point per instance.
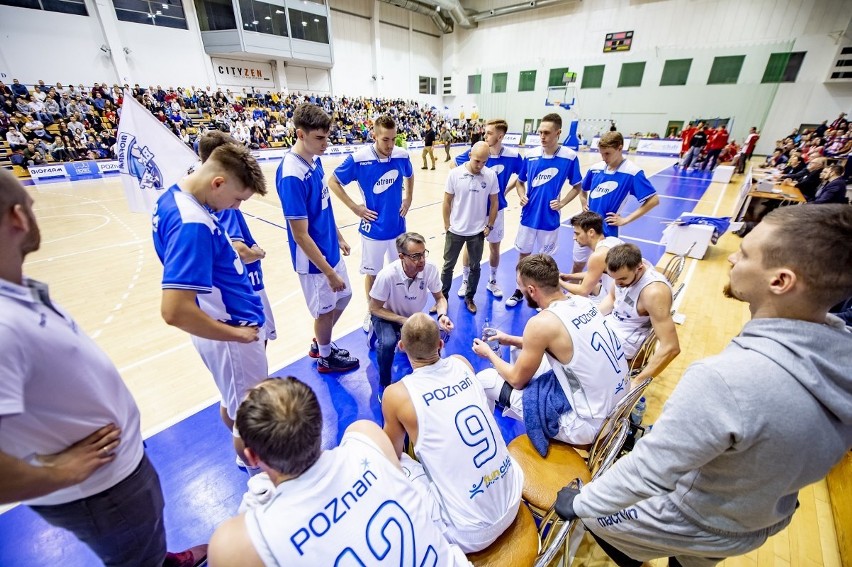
(148, 359)
(678, 198)
(52, 207)
(719, 201)
(129, 243)
(151, 431)
(106, 222)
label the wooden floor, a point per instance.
(100, 263)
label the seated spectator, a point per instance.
(808, 179)
(98, 102)
(36, 129)
(57, 150)
(68, 143)
(280, 423)
(19, 90)
(833, 187)
(33, 156)
(453, 470)
(777, 159)
(639, 302)
(588, 377)
(17, 141)
(793, 166)
(37, 109)
(729, 151)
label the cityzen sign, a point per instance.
(232, 72)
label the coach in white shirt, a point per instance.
(468, 218)
(400, 290)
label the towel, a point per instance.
(544, 404)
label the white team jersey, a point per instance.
(596, 377)
(352, 507)
(462, 450)
(606, 281)
(631, 327)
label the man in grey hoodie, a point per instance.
(745, 430)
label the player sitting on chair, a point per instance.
(464, 466)
(640, 301)
(594, 283)
(329, 507)
(574, 341)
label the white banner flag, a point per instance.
(150, 157)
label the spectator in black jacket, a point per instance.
(696, 144)
(833, 188)
(808, 179)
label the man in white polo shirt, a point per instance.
(70, 443)
(470, 210)
(400, 290)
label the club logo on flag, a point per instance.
(139, 162)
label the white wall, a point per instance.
(164, 56)
(403, 55)
(157, 55)
(73, 56)
(572, 35)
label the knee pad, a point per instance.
(504, 400)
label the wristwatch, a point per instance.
(489, 227)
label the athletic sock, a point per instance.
(493, 273)
(324, 350)
(465, 272)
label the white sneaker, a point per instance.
(515, 298)
(368, 323)
(463, 289)
(494, 289)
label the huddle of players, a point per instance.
(210, 289)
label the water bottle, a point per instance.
(488, 334)
(638, 412)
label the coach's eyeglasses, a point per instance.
(416, 257)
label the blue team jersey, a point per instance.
(544, 177)
(304, 195)
(504, 164)
(197, 255)
(380, 181)
(235, 225)
(607, 190)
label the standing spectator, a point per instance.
(446, 139)
(686, 136)
(717, 142)
(470, 210)
(748, 148)
(696, 144)
(428, 145)
(81, 466)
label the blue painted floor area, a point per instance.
(194, 458)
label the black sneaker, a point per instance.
(337, 362)
(515, 298)
(314, 351)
